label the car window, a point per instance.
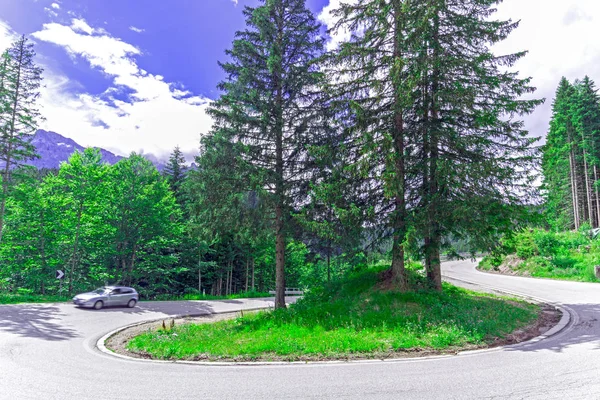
(126, 291)
(116, 291)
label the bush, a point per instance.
(525, 244)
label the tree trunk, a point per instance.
(253, 287)
(587, 182)
(399, 216)
(280, 212)
(329, 261)
(227, 279)
(247, 270)
(597, 225)
(199, 270)
(75, 247)
(574, 189)
(434, 274)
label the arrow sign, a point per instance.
(59, 274)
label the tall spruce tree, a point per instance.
(475, 154)
(267, 107)
(585, 118)
(558, 162)
(436, 119)
(20, 80)
(175, 171)
(571, 156)
(370, 77)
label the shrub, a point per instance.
(525, 244)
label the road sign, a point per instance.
(59, 274)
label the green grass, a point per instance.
(13, 298)
(349, 319)
(542, 254)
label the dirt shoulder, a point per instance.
(549, 317)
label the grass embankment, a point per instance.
(17, 298)
(543, 254)
(349, 319)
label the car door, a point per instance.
(115, 297)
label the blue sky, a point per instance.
(137, 75)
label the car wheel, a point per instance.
(131, 303)
(98, 305)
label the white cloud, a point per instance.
(140, 111)
(559, 36)
(329, 20)
(56, 6)
(235, 2)
(136, 30)
(51, 12)
(7, 36)
(77, 25)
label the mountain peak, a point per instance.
(54, 148)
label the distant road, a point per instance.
(48, 352)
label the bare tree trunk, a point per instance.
(247, 270)
(253, 287)
(329, 261)
(574, 186)
(227, 279)
(231, 278)
(597, 225)
(588, 192)
(75, 247)
(200, 271)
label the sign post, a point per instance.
(59, 275)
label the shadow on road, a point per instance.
(169, 308)
(172, 308)
(35, 321)
(585, 330)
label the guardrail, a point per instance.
(290, 291)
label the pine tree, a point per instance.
(475, 150)
(585, 119)
(557, 163)
(370, 78)
(20, 80)
(431, 139)
(175, 171)
(266, 110)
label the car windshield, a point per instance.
(100, 291)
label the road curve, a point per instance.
(48, 351)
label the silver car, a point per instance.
(107, 296)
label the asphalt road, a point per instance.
(48, 352)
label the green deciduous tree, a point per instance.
(146, 222)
